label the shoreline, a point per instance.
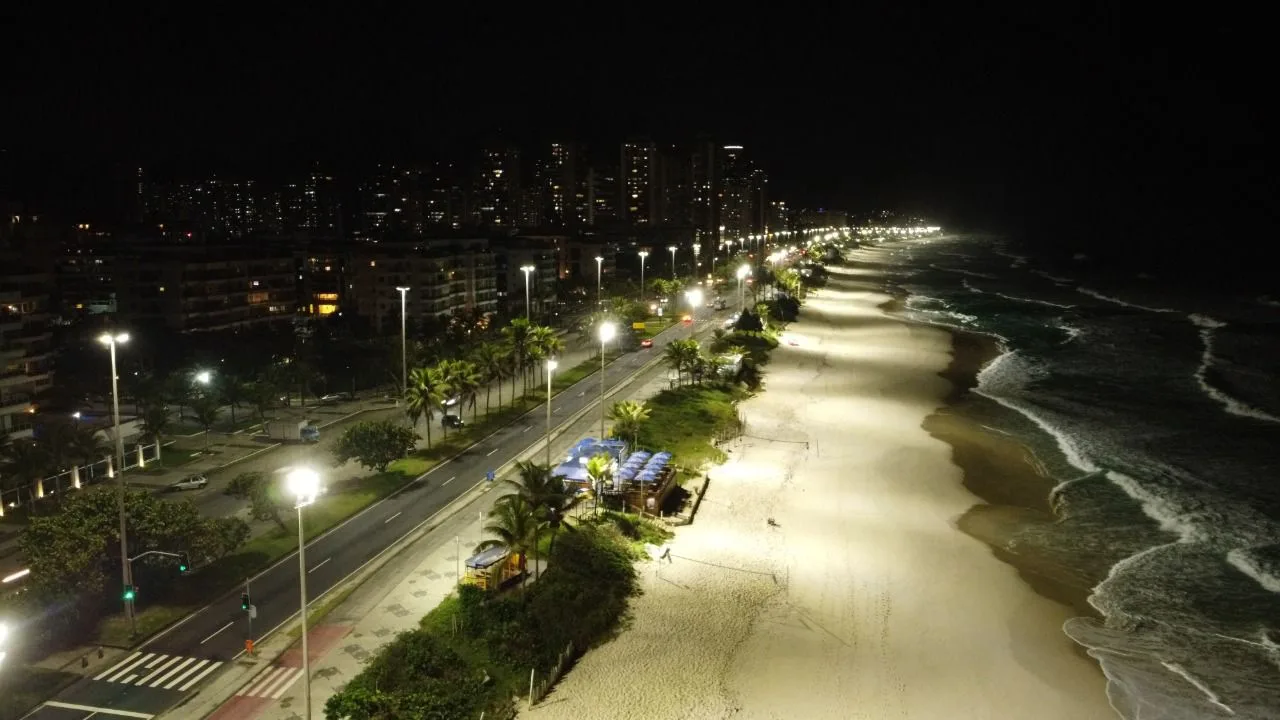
(1002, 471)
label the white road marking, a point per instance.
(161, 668)
(446, 482)
(215, 632)
(527, 429)
(126, 671)
(491, 452)
(116, 666)
(317, 565)
(286, 685)
(267, 677)
(384, 522)
(212, 666)
(171, 673)
(93, 709)
(184, 675)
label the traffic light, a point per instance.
(128, 593)
(183, 564)
(244, 601)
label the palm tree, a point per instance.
(26, 463)
(547, 494)
(465, 379)
(599, 472)
(515, 525)
(156, 423)
(86, 446)
(234, 393)
(56, 438)
(519, 334)
(674, 357)
(205, 409)
(489, 361)
(547, 344)
(627, 417)
(263, 395)
(451, 374)
(424, 394)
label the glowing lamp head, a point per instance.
(113, 339)
(607, 331)
(743, 271)
(695, 297)
(552, 365)
(203, 377)
(304, 483)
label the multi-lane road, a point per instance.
(178, 661)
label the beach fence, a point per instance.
(538, 689)
(730, 430)
(77, 477)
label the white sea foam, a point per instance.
(1055, 278)
(1242, 560)
(1018, 260)
(1199, 685)
(1207, 327)
(1071, 331)
(963, 272)
(1118, 301)
(1266, 300)
(1157, 507)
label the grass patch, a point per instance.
(170, 458)
(23, 687)
(114, 631)
(683, 421)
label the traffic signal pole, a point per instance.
(246, 604)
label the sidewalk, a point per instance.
(391, 600)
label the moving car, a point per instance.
(646, 343)
(451, 421)
(190, 482)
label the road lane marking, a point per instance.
(116, 666)
(212, 666)
(446, 482)
(584, 392)
(159, 669)
(384, 522)
(215, 632)
(169, 674)
(95, 709)
(286, 684)
(317, 565)
(126, 671)
(491, 452)
(527, 428)
(184, 675)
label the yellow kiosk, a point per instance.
(490, 569)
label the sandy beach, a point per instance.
(867, 599)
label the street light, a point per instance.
(304, 483)
(599, 272)
(526, 269)
(743, 271)
(111, 340)
(204, 377)
(672, 248)
(607, 331)
(404, 354)
(695, 299)
(643, 254)
(551, 367)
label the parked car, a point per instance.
(190, 482)
(336, 398)
(451, 421)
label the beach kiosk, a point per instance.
(491, 569)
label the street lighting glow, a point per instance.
(743, 271)
(695, 297)
(607, 331)
(304, 483)
(203, 377)
(552, 365)
(117, 339)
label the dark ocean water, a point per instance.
(1157, 411)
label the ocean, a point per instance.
(1156, 410)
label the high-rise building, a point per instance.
(638, 201)
(735, 196)
(601, 195)
(444, 277)
(497, 188)
(675, 188)
(560, 178)
(390, 203)
(759, 201)
(444, 199)
(26, 352)
(706, 186)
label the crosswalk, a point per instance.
(272, 683)
(157, 670)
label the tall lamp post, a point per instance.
(697, 263)
(643, 254)
(526, 269)
(111, 340)
(743, 270)
(672, 248)
(404, 353)
(304, 483)
(607, 331)
(204, 377)
(599, 274)
(551, 367)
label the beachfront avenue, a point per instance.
(216, 633)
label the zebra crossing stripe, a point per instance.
(130, 667)
(273, 683)
(115, 667)
(183, 676)
(289, 681)
(268, 678)
(169, 674)
(159, 669)
(212, 666)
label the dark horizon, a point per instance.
(1087, 127)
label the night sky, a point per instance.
(1073, 126)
